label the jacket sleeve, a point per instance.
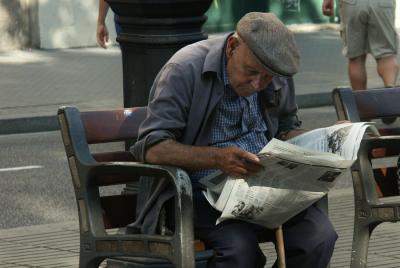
(169, 103)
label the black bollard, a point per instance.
(152, 31)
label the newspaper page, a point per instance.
(342, 139)
(296, 174)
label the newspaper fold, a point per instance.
(296, 174)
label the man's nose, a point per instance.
(256, 83)
(260, 82)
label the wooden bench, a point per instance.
(375, 183)
(99, 215)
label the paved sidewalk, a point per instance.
(57, 245)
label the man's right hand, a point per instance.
(237, 162)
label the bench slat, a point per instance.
(378, 103)
(121, 124)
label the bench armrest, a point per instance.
(124, 172)
(99, 174)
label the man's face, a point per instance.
(246, 75)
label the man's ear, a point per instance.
(232, 44)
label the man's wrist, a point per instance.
(214, 152)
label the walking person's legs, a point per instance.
(382, 40)
(358, 73)
(388, 70)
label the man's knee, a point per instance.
(309, 239)
(319, 238)
(244, 251)
(236, 245)
(309, 229)
(324, 244)
(325, 236)
(323, 230)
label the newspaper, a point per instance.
(296, 174)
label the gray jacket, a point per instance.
(182, 106)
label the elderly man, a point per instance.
(214, 105)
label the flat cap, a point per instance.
(270, 41)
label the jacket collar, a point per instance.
(213, 61)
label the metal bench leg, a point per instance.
(359, 251)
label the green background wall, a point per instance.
(223, 14)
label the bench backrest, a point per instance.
(95, 127)
(364, 105)
(121, 124)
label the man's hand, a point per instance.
(102, 35)
(236, 162)
(327, 7)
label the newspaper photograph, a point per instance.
(296, 173)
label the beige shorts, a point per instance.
(367, 26)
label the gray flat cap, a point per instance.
(270, 41)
